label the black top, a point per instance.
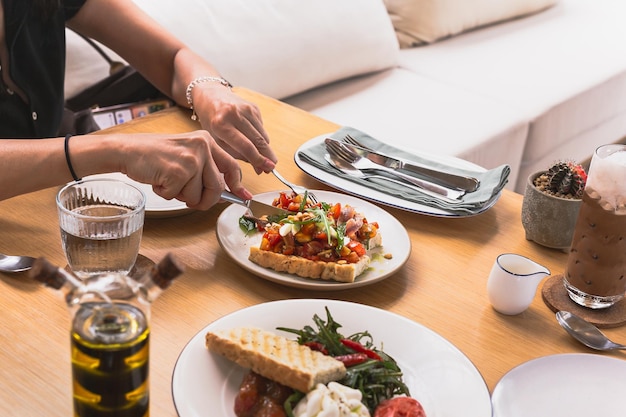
(37, 65)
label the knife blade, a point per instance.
(256, 208)
(454, 181)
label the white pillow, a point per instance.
(283, 47)
(419, 22)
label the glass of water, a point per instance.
(101, 222)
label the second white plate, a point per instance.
(156, 206)
(395, 242)
(566, 385)
(438, 375)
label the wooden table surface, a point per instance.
(442, 285)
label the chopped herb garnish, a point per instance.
(322, 218)
(247, 225)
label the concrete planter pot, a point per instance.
(548, 220)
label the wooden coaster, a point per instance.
(555, 296)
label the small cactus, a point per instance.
(563, 179)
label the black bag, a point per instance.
(124, 85)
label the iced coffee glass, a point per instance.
(595, 275)
(101, 222)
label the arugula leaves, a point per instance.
(377, 380)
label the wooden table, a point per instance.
(442, 286)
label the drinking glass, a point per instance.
(595, 276)
(101, 222)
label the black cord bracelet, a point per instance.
(67, 157)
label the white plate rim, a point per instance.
(156, 206)
(460, 388)
(537, 387)
(234, 242)
(376, 196)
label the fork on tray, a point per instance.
(449, 180)
(298, 189)
(338, 151)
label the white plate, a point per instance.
(395, 241)
(156, 206)
(438, 375)
(373, 194)
(566, 385)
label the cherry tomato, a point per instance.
(400, 407)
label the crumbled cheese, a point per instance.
(287, 228)
(334, 400)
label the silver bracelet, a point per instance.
(197, 81)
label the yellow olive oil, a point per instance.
(110, 351)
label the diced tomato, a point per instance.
(367, 231)
(293, 206)
(335, 211)
(270, 240)
(352, 258)
(284, 200)
(357, 247)
(320, 235)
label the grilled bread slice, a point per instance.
(276, 357)
(305, 268)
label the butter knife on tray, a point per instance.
(447, 179)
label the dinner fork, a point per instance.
(348, 169)
(298, 189)
(337, 150)
(449, 180)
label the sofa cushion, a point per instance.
(425, 21)
(282, 47)
(417, 113)
(569, 83)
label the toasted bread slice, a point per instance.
(305, 268)
(276, 357)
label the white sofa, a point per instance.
(525, 92)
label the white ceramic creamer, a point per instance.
(513, 282)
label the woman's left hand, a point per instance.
(235, 124)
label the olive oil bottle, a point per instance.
(110, 336)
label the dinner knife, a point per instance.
(454, 181)
(256, 208)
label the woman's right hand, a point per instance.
(190, 167)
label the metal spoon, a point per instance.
(585, 332)
(11, 263)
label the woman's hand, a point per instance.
(190, 167)
(235, 124)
